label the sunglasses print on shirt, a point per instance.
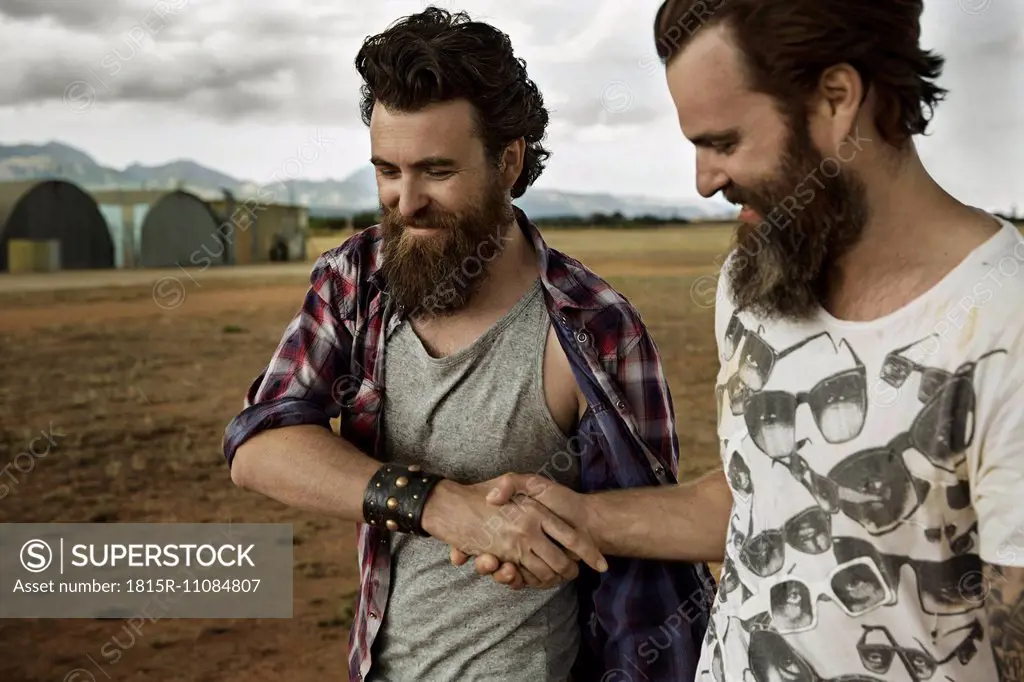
(944, 428)
(838, 403)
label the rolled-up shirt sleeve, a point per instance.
(299, 383)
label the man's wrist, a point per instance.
(441, 509)
(593, 508)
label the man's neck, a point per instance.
(510, 272)
(916, 233)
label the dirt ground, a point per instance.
(143, 391)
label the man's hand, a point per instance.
(521, 533)
(524, 490)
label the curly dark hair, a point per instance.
(788, 44)
(437, 56)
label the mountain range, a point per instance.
(357, 192)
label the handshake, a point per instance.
(522, 530)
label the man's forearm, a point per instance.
(676, 523)
(308, 467)
(311, 468)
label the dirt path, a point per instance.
(106, 279)
(134, 304)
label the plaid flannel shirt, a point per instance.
(641, 619)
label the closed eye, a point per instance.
(720, 141)
(434, 174)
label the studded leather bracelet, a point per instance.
(396, 496)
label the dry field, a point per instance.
(143, 392)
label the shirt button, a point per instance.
(621, 405)
(373, 615)
(660, 471)
(582, 337)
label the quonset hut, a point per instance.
(181, 229)
(55, 210)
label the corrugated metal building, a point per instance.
(55, 210)
(260, 233)
(162, 228)
(181, 229)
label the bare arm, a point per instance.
(1005, 606)
(308, 467)
(686, 522)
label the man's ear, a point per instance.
(510, 165)
(841, 95)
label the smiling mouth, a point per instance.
(749, 215)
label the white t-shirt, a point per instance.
(874, 466)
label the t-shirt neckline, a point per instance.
(992, 244)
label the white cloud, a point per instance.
(237, 84)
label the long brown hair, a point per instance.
(788, 44)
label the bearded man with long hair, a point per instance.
(871, 382)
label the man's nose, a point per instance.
(411, 199)
(710, 177)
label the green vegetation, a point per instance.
(361, 221)
(605, 220)
(326, 226)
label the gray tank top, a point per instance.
(472, 416)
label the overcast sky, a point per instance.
(240, 85)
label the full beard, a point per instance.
(437, 275)
(808, 221)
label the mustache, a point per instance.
(739, 196)
(762, 202)
(734, 196)
(431, 219)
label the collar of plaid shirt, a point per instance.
(641, 619)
